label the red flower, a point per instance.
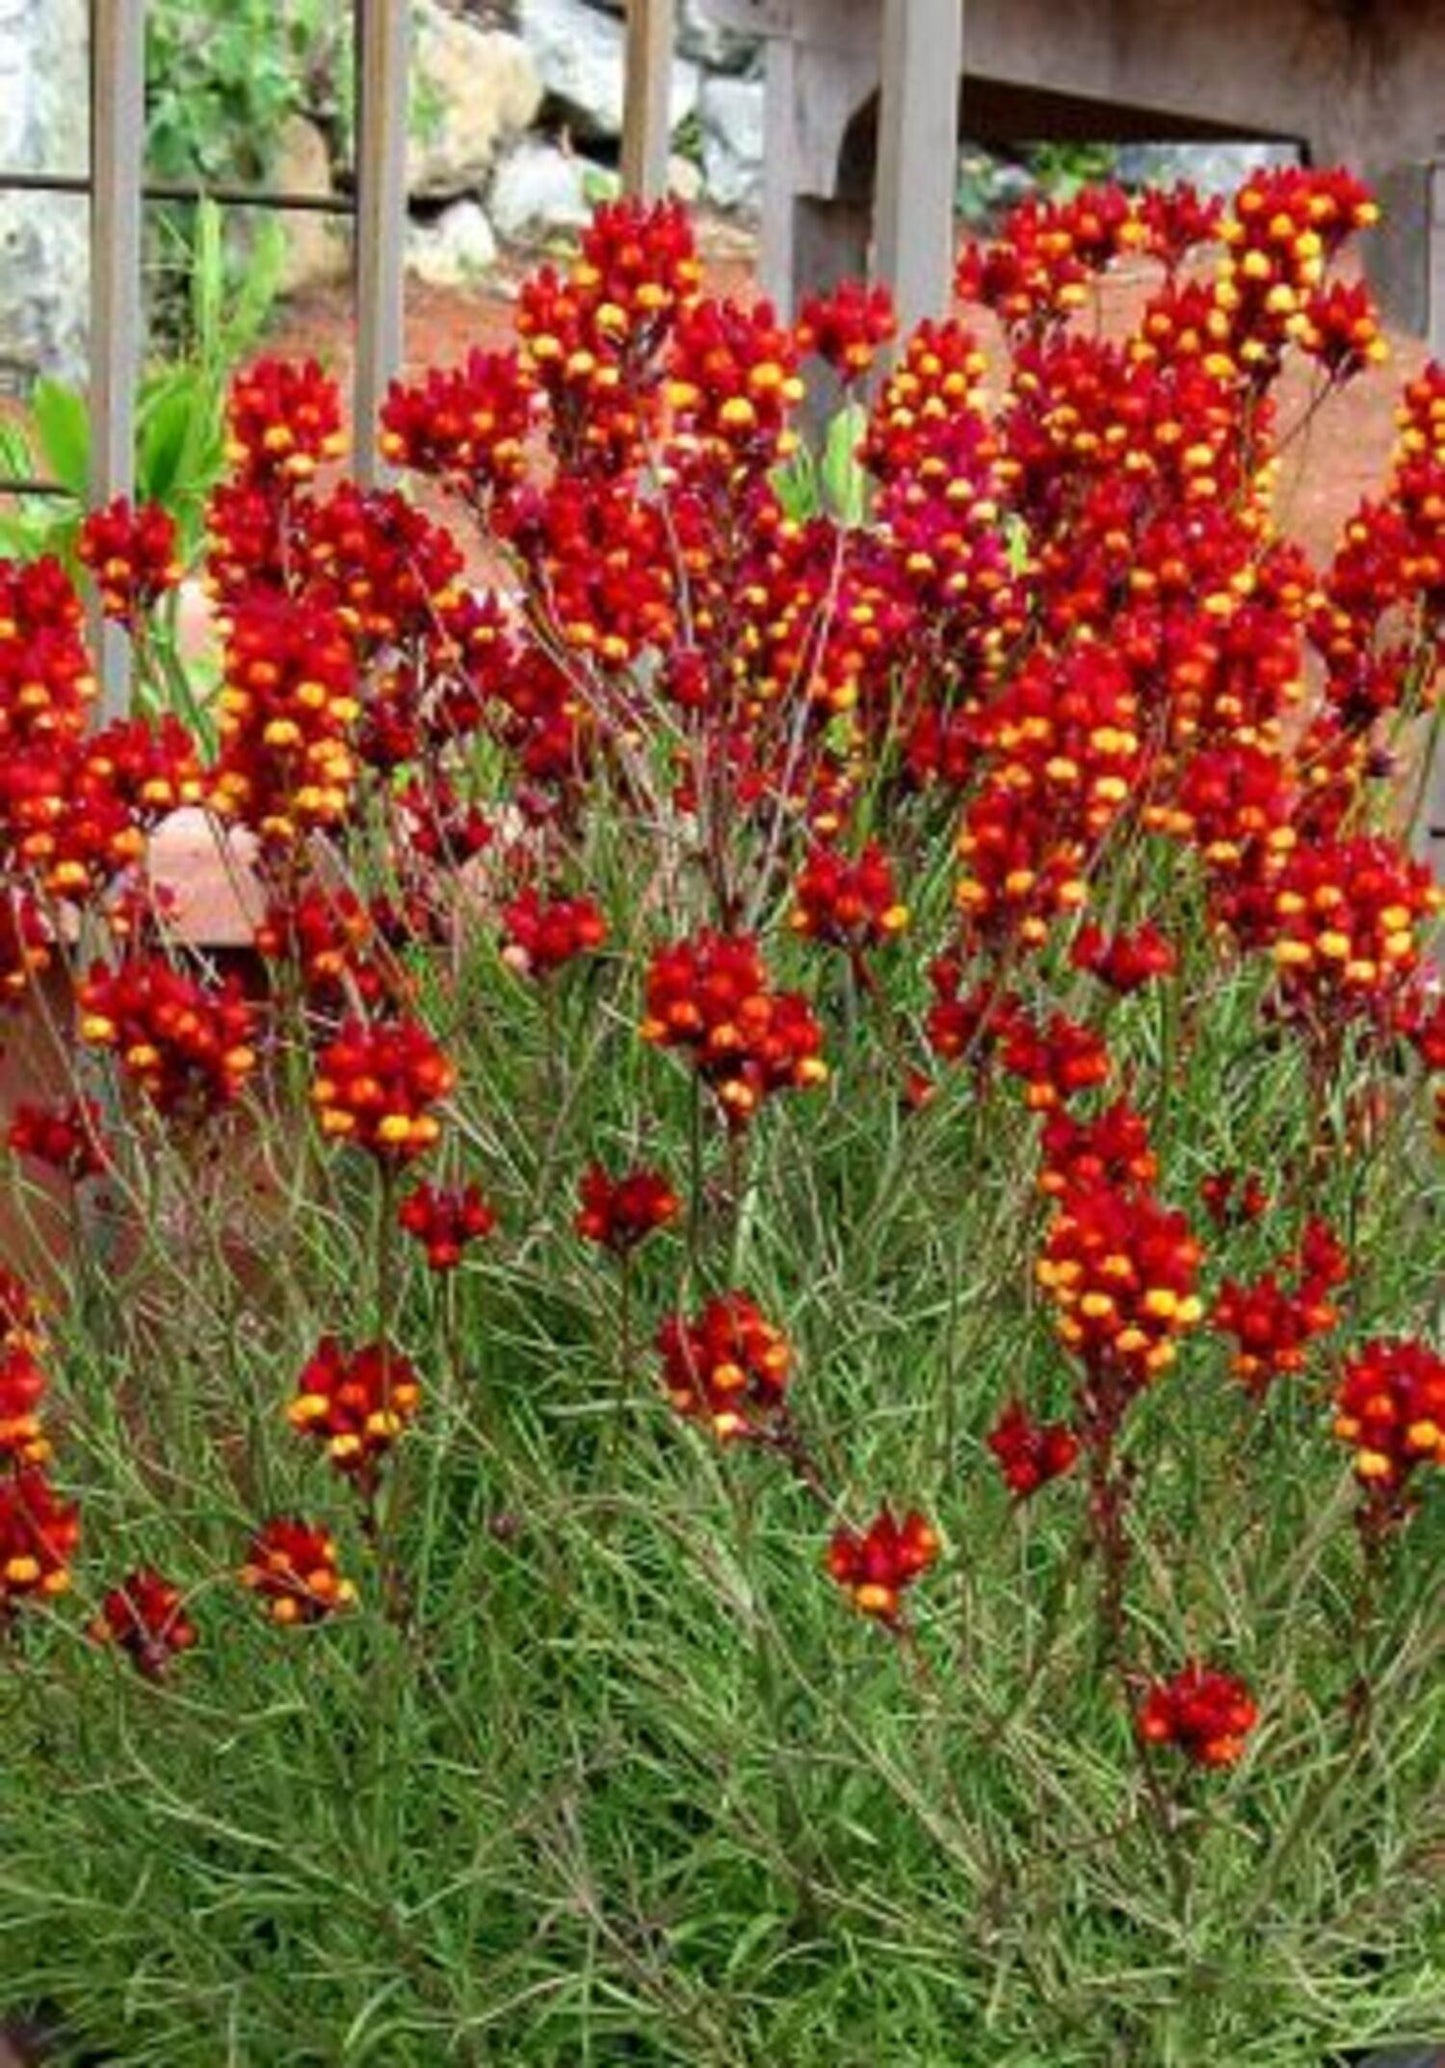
(1127, 961)
(327, 933)
(184, 1044)
(283, 419)
(727, 1366)
(376, 1085)
(357, 1403)
(22, 1388)
(445, 1221)
(1390, 1408)
(1057, 1060)
(846, 327)
(38, 1536)
(711, 996)
(289, 710)
(849, 903)
(733, 384)
(67, 1136)
(291, 1566)
(618, 1213)
(879, 1565)
(132, 554)
(1112, 1149)
(145, 1615)
(1121, 1270)
(1030, 1453)
(1274, 1324)
(543, 934)
(1205, 1714)
(468, 425)
(1225, 1203)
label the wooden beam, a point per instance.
(117, 133)
(918, 154)
(647, 101)
(383, 53)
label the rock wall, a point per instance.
(44, 241)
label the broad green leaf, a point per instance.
(62, 426)
(796, 486)
(845, 484)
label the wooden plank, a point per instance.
(117, 133)
(647, 101)
(918, 153)
(383, 50)
(777, 251)
(1435, 263)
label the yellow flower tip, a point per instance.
(874, 1599)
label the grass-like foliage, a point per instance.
(765, 1390)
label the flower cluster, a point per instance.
(711, 996)
(187, 1045)
(1390, 1409)
(288, 713)
(1121, 1271)
(540, 935)
(292, 1569)
(67, 1137)
(848, 903)
(727, 1366)
(879, 1564)
(1124, 961)
(376, 1085)
(618, 1213)
(23, 1386)
(1112, 1149)
(1031, 1453)
(132, 554)
(145, 1617)
(1205, 1714)
(1274, 1323)
(283, 421)
(39, 1533)
(445, 1220)
(356, 1403)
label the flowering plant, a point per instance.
(797, 1058)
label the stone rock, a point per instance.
(707, 42)
(581, 56)
(315, 250)
(731, 115)
(44, 248)
(211, 875)
(684, 179)
(455, 249)
(710, 44)
(474, 90)
(539, 187)
(1213, 168)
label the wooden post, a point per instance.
(918, 154)
(383, 51)
(117, 132)
(647, 102)
(1435, 258)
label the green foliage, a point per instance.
(180, 417)
(832, 482)
(223, 77)
(1062, 169)
(631, 1785)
